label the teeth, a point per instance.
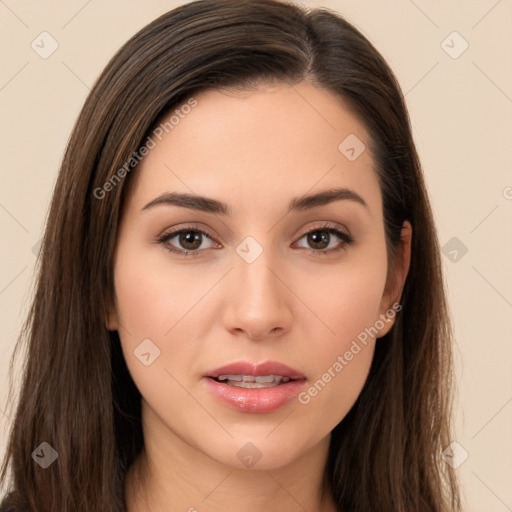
(250, 381)
(231, 377)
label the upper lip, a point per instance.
(256, 370)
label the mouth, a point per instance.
(254, 388)
(251, 382)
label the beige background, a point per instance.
(461, 110)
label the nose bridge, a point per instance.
(258, 302)
(252, 267)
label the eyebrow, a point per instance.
(208, 205)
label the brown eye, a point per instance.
(318, 239)
(186, 241)
(190, 240)
(325, 240)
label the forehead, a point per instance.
(238, 146)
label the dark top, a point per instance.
(4, 505)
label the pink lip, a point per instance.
(255, 400)
(256, 369)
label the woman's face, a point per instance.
(275, 256)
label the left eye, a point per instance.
(323, 239)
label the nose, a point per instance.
(257, 303)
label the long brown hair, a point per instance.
(77, 394)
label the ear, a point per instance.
(396, 280)
(111, 322)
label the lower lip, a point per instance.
(255, 400)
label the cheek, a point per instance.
(161, 303)
(346, 297)
(152, 296)
(152, 304)
(349, 308)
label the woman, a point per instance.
(240, 301)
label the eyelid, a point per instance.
(325, 224)
(186, 227)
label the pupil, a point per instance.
(190, 237)
(317, 238)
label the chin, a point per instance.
(260, 452)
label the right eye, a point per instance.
(186, 241)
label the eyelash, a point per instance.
(329, 228)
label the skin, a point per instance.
(254, 151)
